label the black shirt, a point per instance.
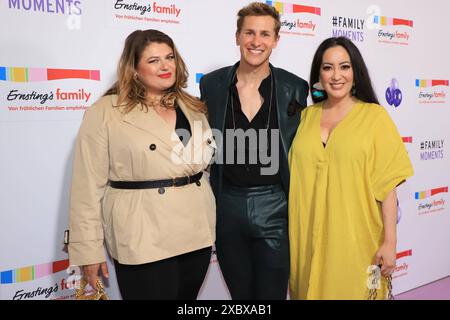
(249, 174)
(182, 123)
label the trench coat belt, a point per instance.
(174, 182)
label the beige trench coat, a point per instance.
(138, 226)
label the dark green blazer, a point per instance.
(291, 93)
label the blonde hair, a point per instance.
(258, 9)
(131, 91)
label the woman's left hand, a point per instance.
(386, 256)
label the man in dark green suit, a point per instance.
(255, 108)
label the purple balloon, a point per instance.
(393, 94)
(394, 84)
(397, 98)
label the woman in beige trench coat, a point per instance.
(138, 183)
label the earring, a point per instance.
(318, 90)
(353, 90)
(318, 86)
(135, 76)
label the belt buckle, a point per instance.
(174, 183)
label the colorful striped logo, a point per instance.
(422, 83)
(24, 74)
(283, 7)
(403, 254)
(33, 272)
(429, 193)
(386, 21)
(407, 139)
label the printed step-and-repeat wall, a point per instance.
(58, 57)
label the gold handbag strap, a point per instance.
(373, 291)
(390, 296)
(81, 292)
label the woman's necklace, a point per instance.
(155, 103)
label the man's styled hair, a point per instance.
(258, 9)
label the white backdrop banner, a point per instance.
(58, 57)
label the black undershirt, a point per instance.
(247, 174)
(182, 123)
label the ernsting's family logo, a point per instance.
(431, 91)
(391, 30)
(435, 200)
(30, 90)
(144, 11)
(297, 19)
(152, 7)
(402, 266)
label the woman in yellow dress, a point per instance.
(346, 160)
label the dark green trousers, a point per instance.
(252, 241)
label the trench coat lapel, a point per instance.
(153, 124)
(201, 138)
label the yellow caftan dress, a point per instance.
(335, 217)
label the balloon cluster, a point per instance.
(393, 94)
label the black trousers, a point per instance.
(252, 241)
(175, 278)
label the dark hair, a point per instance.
(130, 89)
(259, 9)
(363, 89)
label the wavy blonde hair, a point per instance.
(131, 91)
